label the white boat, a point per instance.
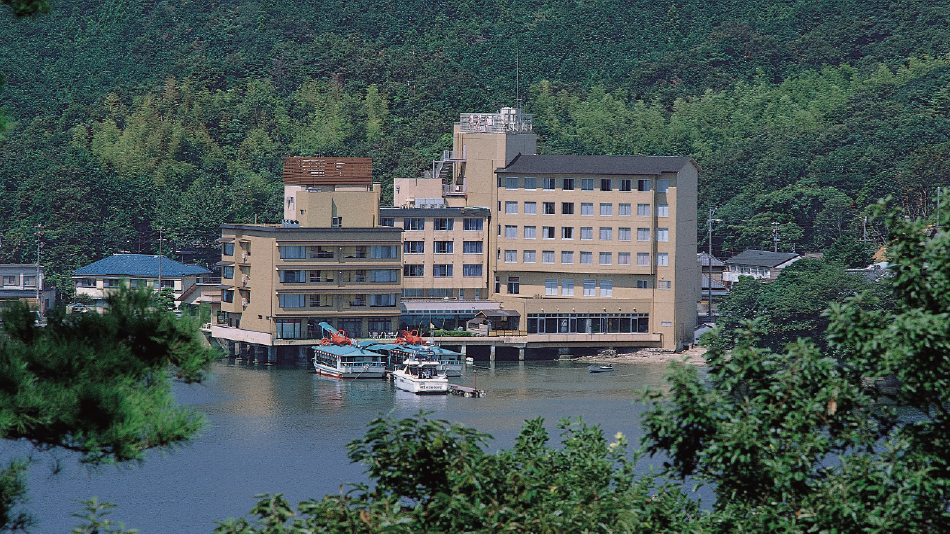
(348, 361)
(601, 368)
(421, 374)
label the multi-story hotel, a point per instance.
(329, 261)
(580, 245)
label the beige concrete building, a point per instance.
(581, 245)
(329, 261)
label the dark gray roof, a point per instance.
(606, 165)
(145, 265)
(435, 212)
(703, 259)
(761, 258)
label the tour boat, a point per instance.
(338, 357)
(421, 374)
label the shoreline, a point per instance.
(692, 356)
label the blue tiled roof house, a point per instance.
(136, 270)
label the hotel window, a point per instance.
(292, 253)
(530, 232)
(643, 184)
(606, 210)
(547, 256)
(587, 233)
(442, 271)
(547, 232)
(567, 287)
(623, 234)
(320, 276)
(292, 277)
(662, 184)
(511, 256)
(567, 232)
(587, 258)
(662, 259)
(472, 247)
(530, 183)
(590, 288)
(472, 225)
(643, 210)
(227, 249)
(227, 295)
(567, 257)
(623, 210)
(643, 284)
(511, 207)
(443, 224)
(511, 232)
(549, 208)
(529, 256)
(444, 247)
(606, 234)
(321, 301)
(384, 275)
(413, 223)
(587, 208)
(414, 247)
(384, 251)
(511, 183)
(662, 210)
(227, 272)
(643, 259)
(548, 183)
(626, 184)
(606, 184)
(292, 300)
(530, 208)
(568, 184)
(387, 221)
(587, 184)
(382, 299)
(606, 288)
(605, 258)
(336, 222)
(623, 258)
(472, 270)
(514, 285)
(663, 284)
(663, 234)
(413, 271)
(412, 293)
(550, 286)
(643, 234)
(567, 208)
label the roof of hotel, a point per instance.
(606, 165)
(144, 265)
(471, 211)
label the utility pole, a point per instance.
(39, 245)
(160, 241)
(710, 222)
(938, 208)
(774, 237)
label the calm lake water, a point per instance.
(284, 430)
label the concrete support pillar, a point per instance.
(302, 356)
(491, 354)
(520, 354)
(464, 351)
(271, 355)
(564, 353)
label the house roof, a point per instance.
(704, 259)
(716, 284)
(144, 265)
(762, 258)
(607, 165)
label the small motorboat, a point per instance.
(601, 368)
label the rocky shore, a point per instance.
(692, 356)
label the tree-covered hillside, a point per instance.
(126, 117)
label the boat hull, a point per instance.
(421, 386)
(351, 371)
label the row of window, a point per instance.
(565, 286)
(586, 233)
(442, 270)
(380, 276)
(117, 282)
(605, 209)
(586, 257)
(305, 300)
(442, 247)
(529, 183)
(297, 252)
(439, 224)
(14, 280)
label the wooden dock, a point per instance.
(465, 391)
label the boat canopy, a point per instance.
(345, 350)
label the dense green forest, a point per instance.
(129, 117)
